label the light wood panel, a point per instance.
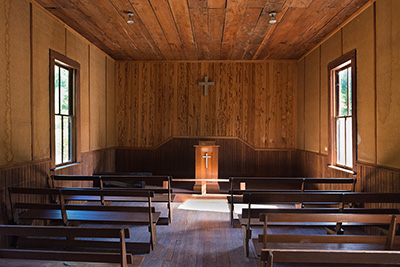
(359, 34)
(330, 50)
(311, 98)
(300, 104)
(78, 50)
(388, 82)
(97, 96)
(15, 108)
(223, 29)
(110, 103)
(253, 101)
(47, 34)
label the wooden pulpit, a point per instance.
(206, 159)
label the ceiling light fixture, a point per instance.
(130, 20)
(272, 20)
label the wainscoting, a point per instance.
(370, 178)
(236, 158)
(35, 174)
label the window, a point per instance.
(64, 92)
(342, 112)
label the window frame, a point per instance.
(333, 67)
(65, 62)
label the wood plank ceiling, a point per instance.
(203, 29)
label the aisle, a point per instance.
(200, 235)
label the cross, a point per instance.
(206, 83)
(206, 156)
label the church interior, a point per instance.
(200, 109)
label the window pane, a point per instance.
(58, 140)
(57, 89)
(64, 91)
(349, 143)
(67, 139)
(342, 94)
(350, 92)
(340, 139)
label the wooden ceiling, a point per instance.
(203, 29)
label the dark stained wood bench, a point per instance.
(55, 243)
(367, 257)
(99, 181)
(282, 184)
(325, 242)
(24, 211)
(250, 217)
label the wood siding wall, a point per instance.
(236, 158)
(374, 36)
(24, 84)
(254, 101)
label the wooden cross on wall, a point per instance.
(206, 83)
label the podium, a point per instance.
(206, 166)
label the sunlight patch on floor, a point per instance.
(213, 205)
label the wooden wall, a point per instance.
(27, 32)
(24, 84)
(375, 35)
(254, 101)
(236, 158)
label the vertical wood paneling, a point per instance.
(250, 100)
(359, 35)
(47, 34)
(182, 99)
(388, 82)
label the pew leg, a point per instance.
(153, 235)
(339, 229)
(170, 213)
(246, 239)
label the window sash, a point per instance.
(342, 142)
(67, 133)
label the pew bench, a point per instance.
(55, 243)
(250, 217)
(25, 212)
(368, 257)
(325, 242)
(162, 195)
(241, 185)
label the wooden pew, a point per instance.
(250, 217)
(44, 243)
(239, 185)
(24, 211)
(368, 257)
(163, 195)
(324, 242)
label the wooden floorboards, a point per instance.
(199, 236)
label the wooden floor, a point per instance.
(200, 235)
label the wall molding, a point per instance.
(207, 137)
